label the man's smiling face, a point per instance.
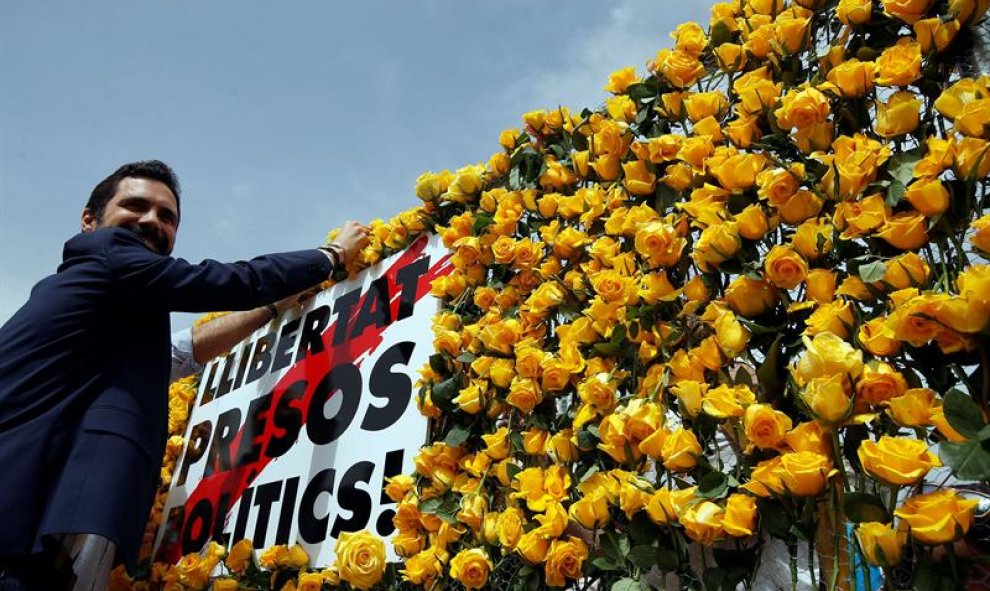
(144, 206)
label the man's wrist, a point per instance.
(335, 252)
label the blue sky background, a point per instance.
(282, 119)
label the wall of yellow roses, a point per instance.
(744, 301)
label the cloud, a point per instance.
(631, 34)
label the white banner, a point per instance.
(294, 432)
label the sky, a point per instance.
(282, 119)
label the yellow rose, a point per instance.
(898, 116)
(828, 398)
(856, 218)
(664, 506)
(309, 582)
(935, 35)
(756, 90)
(690, 38)
(765, 427)
(878, 338)
(471, 567)
(731, 57)
(906, 270)
(827, 355)
(981, 234)
(283, 556)
(241, 554)
(908, 11)
(813, 238)
(906, 231)
(854, 12)
(689, 396)
(784, 267)
(533, 547)
(835, 317)
(429, 186)
(702, 522)
(852, 78)
(855, 161)
(801, 109)
(679, 67)
(193, 572)
(472, 399)
(880, 382)
(804, 473)
(727, 401)
(736, 172)
(423, 567)
(564, 561)
(881, 543)
(744, 130)
(660, 243)
(939, 517)
(790, 33)
(968, 11)
(899, 461)
(972, 158)
(753, 222)
(510, 526)
(739, 519)
(820, 285)
(716, 244)
(591, 510)
(750, 297)
(900, 64)
(701, 105)
(620, 80)
(680, 450)
(809, 436)
(913, 408)
(221, 584)
(621, 108)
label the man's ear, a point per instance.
(89, 221)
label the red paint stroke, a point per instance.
(312, 369)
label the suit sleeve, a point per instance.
(181, 286)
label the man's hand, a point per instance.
(352, 238)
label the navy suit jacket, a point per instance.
(84, 369)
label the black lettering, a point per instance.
(393, 467)
(376, 310)
(342, 306)
(243, 512)
(261, 359)
(197, 529)
(311, 340)
(198, 438)
(288, 508)
(218, 458)
(242, 366)
(323, 429)
(220, 518)
(395, 387)
(266, 495)
(408, 277)
(354, 499)
(287, 420)
(254, 429)
(286, 341)
(210, 391)
(226, 377)
(313, 529)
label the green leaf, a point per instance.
(643, 556)
(640, 92)
(969, 460)
(871, 272)
(457, 436)
(437, 364)
(863, 507)
(769, 374)
(963, 414)
(667, 560)
(628, 584)
(444, 393)
(604, 563)
(615, 546)
(466, 357)
(641, 529)
(895, 193)
(481, 222)
(713, 485)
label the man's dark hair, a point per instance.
(155, 170)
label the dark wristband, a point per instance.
(334, 254)
(273, 310)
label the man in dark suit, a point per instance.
(84, 369)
